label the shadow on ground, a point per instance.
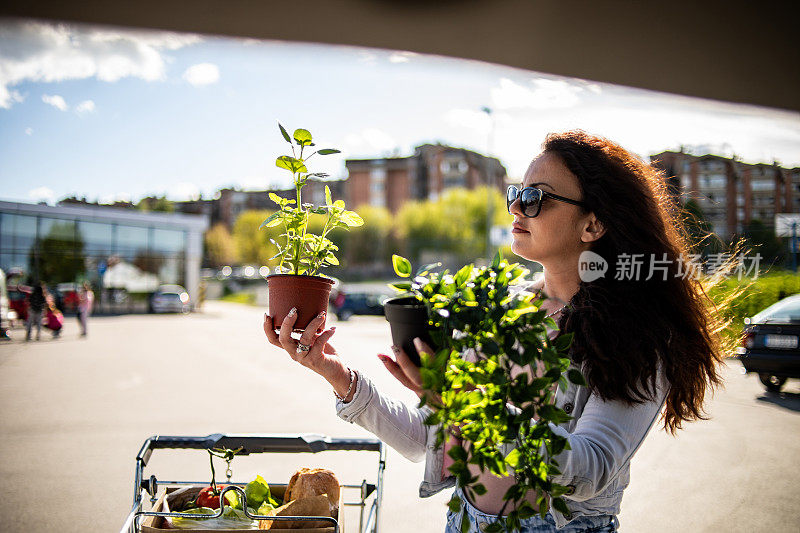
(787, 400)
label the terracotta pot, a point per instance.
(408, 319)
(309, 294)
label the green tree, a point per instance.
(61, 256)
(453, 224)
(371, 242)
(763, 240)
(251, 243)
(220, 246)
(701, 234)
(157, 204)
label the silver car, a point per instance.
(170, 299)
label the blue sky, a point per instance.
(119, 114)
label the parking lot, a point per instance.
(76, 411)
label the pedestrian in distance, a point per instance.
(36, 305)
(648, 347)
(85, 305)
(53, 319)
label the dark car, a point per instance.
(18, 300)
(771, 343)
(67, 297)
(360, 303)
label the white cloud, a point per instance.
(367, 57)
(87, 106)
(542, 94)
(182, 191)
(55, 101)
(41, 52)
(401, 57)
(118, 197)
(368, 141)
(202, 74)
(42, 194)
(28, 131)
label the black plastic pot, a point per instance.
(408, 319)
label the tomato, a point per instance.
(208, 498)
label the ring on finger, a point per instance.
(303, 348)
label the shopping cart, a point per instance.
(369, 493)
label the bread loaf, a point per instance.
(311, 506)
(308, 482)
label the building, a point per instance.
(730, 192)
(125, 253)
(231, 203)
(391, 182)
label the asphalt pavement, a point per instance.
(76, 411)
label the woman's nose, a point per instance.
(514, 208)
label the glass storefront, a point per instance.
(126, 261)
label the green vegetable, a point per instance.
(257, 492)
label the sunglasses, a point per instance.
(531, 199)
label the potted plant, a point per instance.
(485, 329)
(303, 253)
(409, 313)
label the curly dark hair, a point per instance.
(623, 328)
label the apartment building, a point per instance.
(731, 192)
(391, 182)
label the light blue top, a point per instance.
(603, 436)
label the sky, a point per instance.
(116, 114)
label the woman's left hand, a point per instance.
(405, 371)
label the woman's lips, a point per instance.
(515, 229)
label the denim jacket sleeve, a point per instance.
(402, 427)
(604, 438)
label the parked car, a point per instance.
(170, 299)
(67, 297)
(18, 301)
(771, 343)
(5, 318)
(360, 303)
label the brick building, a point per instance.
(390, 182)
(232, 202)
(731, 192)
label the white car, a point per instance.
(170, 299)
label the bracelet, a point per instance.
(349, 389)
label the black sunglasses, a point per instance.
(531, 199)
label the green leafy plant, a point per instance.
(303, 251)
(494, 379)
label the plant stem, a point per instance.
(213, 474)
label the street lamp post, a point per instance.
(489, 185)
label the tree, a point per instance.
(454, 224)
(700, 231)
(220, 246)
(371, 242)
(252, 242)
(60, 255)
(764, 241)
(157, 204)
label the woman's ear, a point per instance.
(593, 229)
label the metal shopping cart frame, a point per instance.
(257, 443)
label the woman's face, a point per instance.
(555, 235)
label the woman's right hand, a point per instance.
(405, 371)
(321, 356)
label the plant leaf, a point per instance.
(273, 220)
(285, 133)
(575, 376)
(352, 219)
(328, 197)
(303, 137)
(328, 151)
(291, 164)
(402, 266)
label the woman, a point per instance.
(646, 341)
(85, 306)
